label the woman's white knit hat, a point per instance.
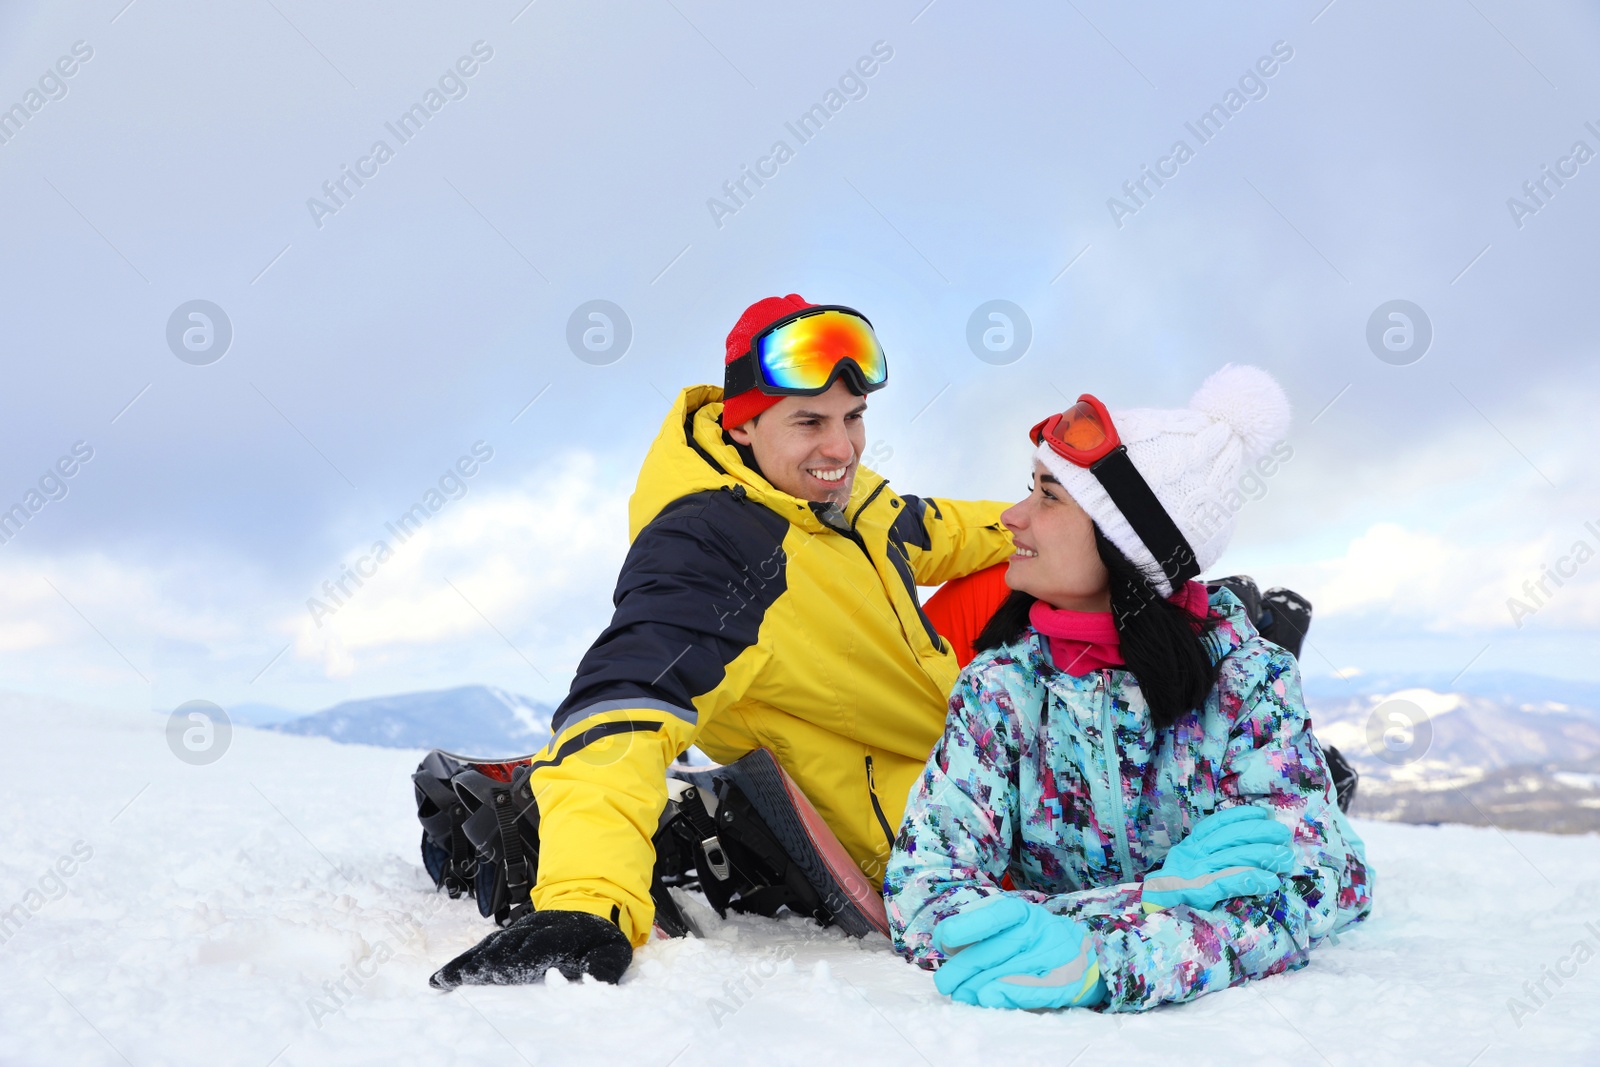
(1192, 459)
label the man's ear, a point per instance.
(741, 434)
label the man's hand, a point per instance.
(572, 942)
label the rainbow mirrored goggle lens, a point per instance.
(806, 353)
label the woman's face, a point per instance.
(1055, 560)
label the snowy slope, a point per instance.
(219, 903)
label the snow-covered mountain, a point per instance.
(257, 714)
(1502, 749)
(1454, 732)
(475, 720)
(1515, 688)
(1519, 751)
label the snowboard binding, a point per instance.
(480, 830)
(743, 835)
(759, 846)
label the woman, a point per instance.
(1127, 807)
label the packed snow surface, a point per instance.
(270, 908)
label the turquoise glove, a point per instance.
(1236, 852)
(1008, 953)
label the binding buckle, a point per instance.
(716, 858)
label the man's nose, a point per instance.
(837, 446)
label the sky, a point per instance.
(378, 321)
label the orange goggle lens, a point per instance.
(805, 352)
(1082, 434)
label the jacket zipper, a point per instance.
(891, 546)
(855, 534)
(847, 529)
(870, 498)
(877, 808)
(1108, 732)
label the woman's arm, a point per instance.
(955, 841)
(1272, 760)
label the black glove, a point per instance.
(572, 942)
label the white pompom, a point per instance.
(1250, 401)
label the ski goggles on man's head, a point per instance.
(803, 354)
(1084, 435)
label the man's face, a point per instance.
(809, 446)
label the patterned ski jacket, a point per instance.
(747, 618)
(1063, 784)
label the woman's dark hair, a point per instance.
(1163, 645)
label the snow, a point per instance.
(217, 900)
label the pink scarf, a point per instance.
(1084, 641)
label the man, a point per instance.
(769, 599)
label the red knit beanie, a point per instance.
(738, 410)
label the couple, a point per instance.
(1124, 804)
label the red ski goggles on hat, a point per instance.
(1082, 434)
(803, 354)
(1085, 436)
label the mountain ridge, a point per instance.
(474, 720)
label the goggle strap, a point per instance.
(1137, 501)
(739, 376)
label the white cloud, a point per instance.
(149, 602)
(528, 562)
(1442, 585)
(537, 560)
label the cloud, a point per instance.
(533, 563)
(538, 560)
(41, 598)
(1423, 579)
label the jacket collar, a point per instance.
(1231, 629)
(690, 454)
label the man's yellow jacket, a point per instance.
(746, 617)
